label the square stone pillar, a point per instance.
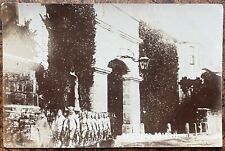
(99, 90)
(131, 104)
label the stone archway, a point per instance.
(115, 94)
(126, 75)
(124, 95)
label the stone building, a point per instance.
(19, 82)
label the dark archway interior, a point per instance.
(115, 94)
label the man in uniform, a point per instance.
(90, 128)
(73, 125)
(44, 130)
(100, 127)
(65, 130)
(108, 125)
(77, 131)
(83, 129)
(95, 127)
(58, 125)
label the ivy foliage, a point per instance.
(159, 88)
(71, 47)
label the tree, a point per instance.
(204, 92)
(159, 89)
(210, 94)
(71, 47)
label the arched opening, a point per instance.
(115, 94)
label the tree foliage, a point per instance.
(204, 92)
(71, 48)
(159, 88)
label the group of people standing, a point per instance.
(74, 129)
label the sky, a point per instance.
(33, 11)
(197, 29)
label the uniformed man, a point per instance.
(44, 130)
(58, 126)
(83, 129)
(90, 128)
(100, 127)
(65, 131)
(108, 124)
(73, 125)
(77, 130)
(95, 127)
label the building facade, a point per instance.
(116, 77)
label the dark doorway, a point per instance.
(115, 95)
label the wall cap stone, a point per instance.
(102, 71)
(133, 78)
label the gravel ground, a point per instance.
(181, 140)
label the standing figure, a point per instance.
(72, 124)
(44, 130)
(77, 130)
(108, 124)
(100, 127)
(187, 129)
(95, 128)
(90, 128)
(104, 126)
(65, 131)
(113, 121)
(83, 129)
(168, 130)
(58, 126)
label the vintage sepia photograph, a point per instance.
(112, 75)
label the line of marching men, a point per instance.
(80, 129)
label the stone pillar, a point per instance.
(99, 90)
(131, 105)
(195, 125)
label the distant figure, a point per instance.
(44, 130)
(200, 128)
(187, 129)
(168, 130)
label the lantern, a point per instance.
(144, 61)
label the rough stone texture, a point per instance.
(116, 1)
